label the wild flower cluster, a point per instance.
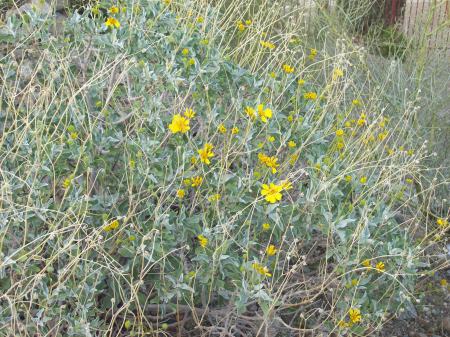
(150, 183)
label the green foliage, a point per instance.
(95, 237)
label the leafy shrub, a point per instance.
(150, 183)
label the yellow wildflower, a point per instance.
(250, 112)
(189, 113)
(366, 263)
(261, 269)
(200, 19)
(301, 82)
(112, 22)
(113, 225)
(354, 315)
(266, 226)
(310, 95)
(196, 181)
(222, 128)
(185, 51)
(291, 143)
(272, 192)
(271, 250)
(267, 44)
(271, 139)
(206, 153)
(187, 182)
(380, 267)
(288, 69)
(354, 282)
(337, 73)
(442, 222)
(248, 22)
(179, 124)
(286, 185)
(114, 10)
(339, 133)
(348, 178)
(363, 180)
(443, 282)
(67, 182)
(356, 102)
(181, 193)
(235, 130)
(264, 114)
(240, 26)
(202, 240)
(214, 197)
(272, 74)
(270, 162)
(312, 54)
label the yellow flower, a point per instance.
(196, 181)
(185, 51)
(112, 22)
(74, 135)
(187, 182)
(363, 180)
(272, 74)
(267, 44)
(114, 10)
(442, 222)
(200, 19)
(266, 226)
(270, 162)
(189, 113)
(272, 192)
(67, 182)
(113, 225)
(354, 282)
(206, 153)
(181, 193)
(291, 143)
(286, 185)
(264, 114)
(310, 95)
(293, 159)
(235, 130)
(348, 178)
(366, 263)
(354, 315)
(250, 112)
(214, 197)
(240, 26)
(202, 240)
(337, 73)
(380, 267)
(301, 82)
(356, 102)
(191, 62)
(261, 269)
(193, 160)
(271, 139)
(179, 124)
(248, 22)
(409, 180)
(271, 250)
(288, 69)
(443, 282)
(95, 11)
(339, 133)
(222, 128)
